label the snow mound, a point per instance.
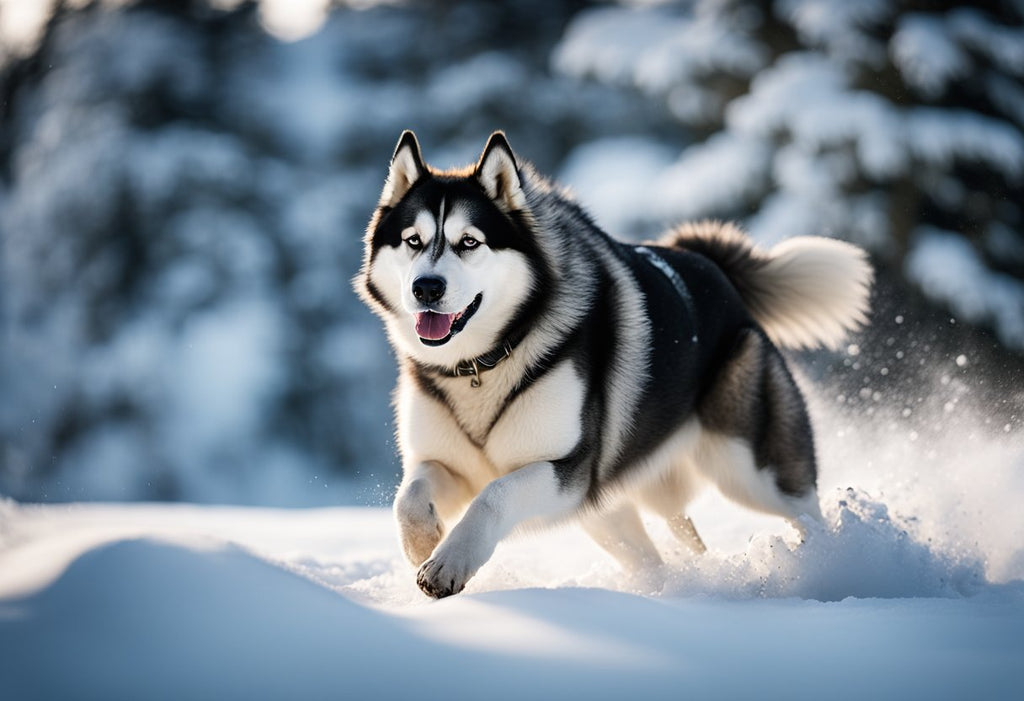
(218, 611)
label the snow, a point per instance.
(627, 36)
(950, 271)
(615, 177)
(655, 48)
(809, 97)
(927, 56)
(938, 138)
(1002, 44)
(842, 28)
(879, 113)
(174, 601)
(712, 175)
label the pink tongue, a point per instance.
(433, 326)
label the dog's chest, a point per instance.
(514, 428)
(477, 408)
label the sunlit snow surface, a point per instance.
(914, 588)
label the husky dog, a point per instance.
(549, 371)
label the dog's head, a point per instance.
(448, 255)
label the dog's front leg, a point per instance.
(531, 492)
(429, 493)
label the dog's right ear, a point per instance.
(406, 168)
(498, 173)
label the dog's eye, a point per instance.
(468, 242)
(415, 242)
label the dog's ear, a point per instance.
(406, 168)
(498, 173)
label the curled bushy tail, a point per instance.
(805, 292)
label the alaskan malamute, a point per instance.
(549, 371)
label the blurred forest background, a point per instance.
(184, 186)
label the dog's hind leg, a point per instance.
(757, 445)
(621, 533)
(685, 532)
(669, 496)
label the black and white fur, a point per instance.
(585, 377)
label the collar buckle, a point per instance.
(474, 367)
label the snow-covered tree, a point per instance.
(896, 124)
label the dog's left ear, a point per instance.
(498, 173)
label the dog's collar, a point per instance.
(476, 366)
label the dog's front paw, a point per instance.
(444, 575)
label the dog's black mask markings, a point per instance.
(427, 194)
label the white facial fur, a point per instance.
(503, 277)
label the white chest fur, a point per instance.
(543, 423)
(480, 435)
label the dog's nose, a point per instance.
(428, 289)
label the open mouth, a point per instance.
(436, 329)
